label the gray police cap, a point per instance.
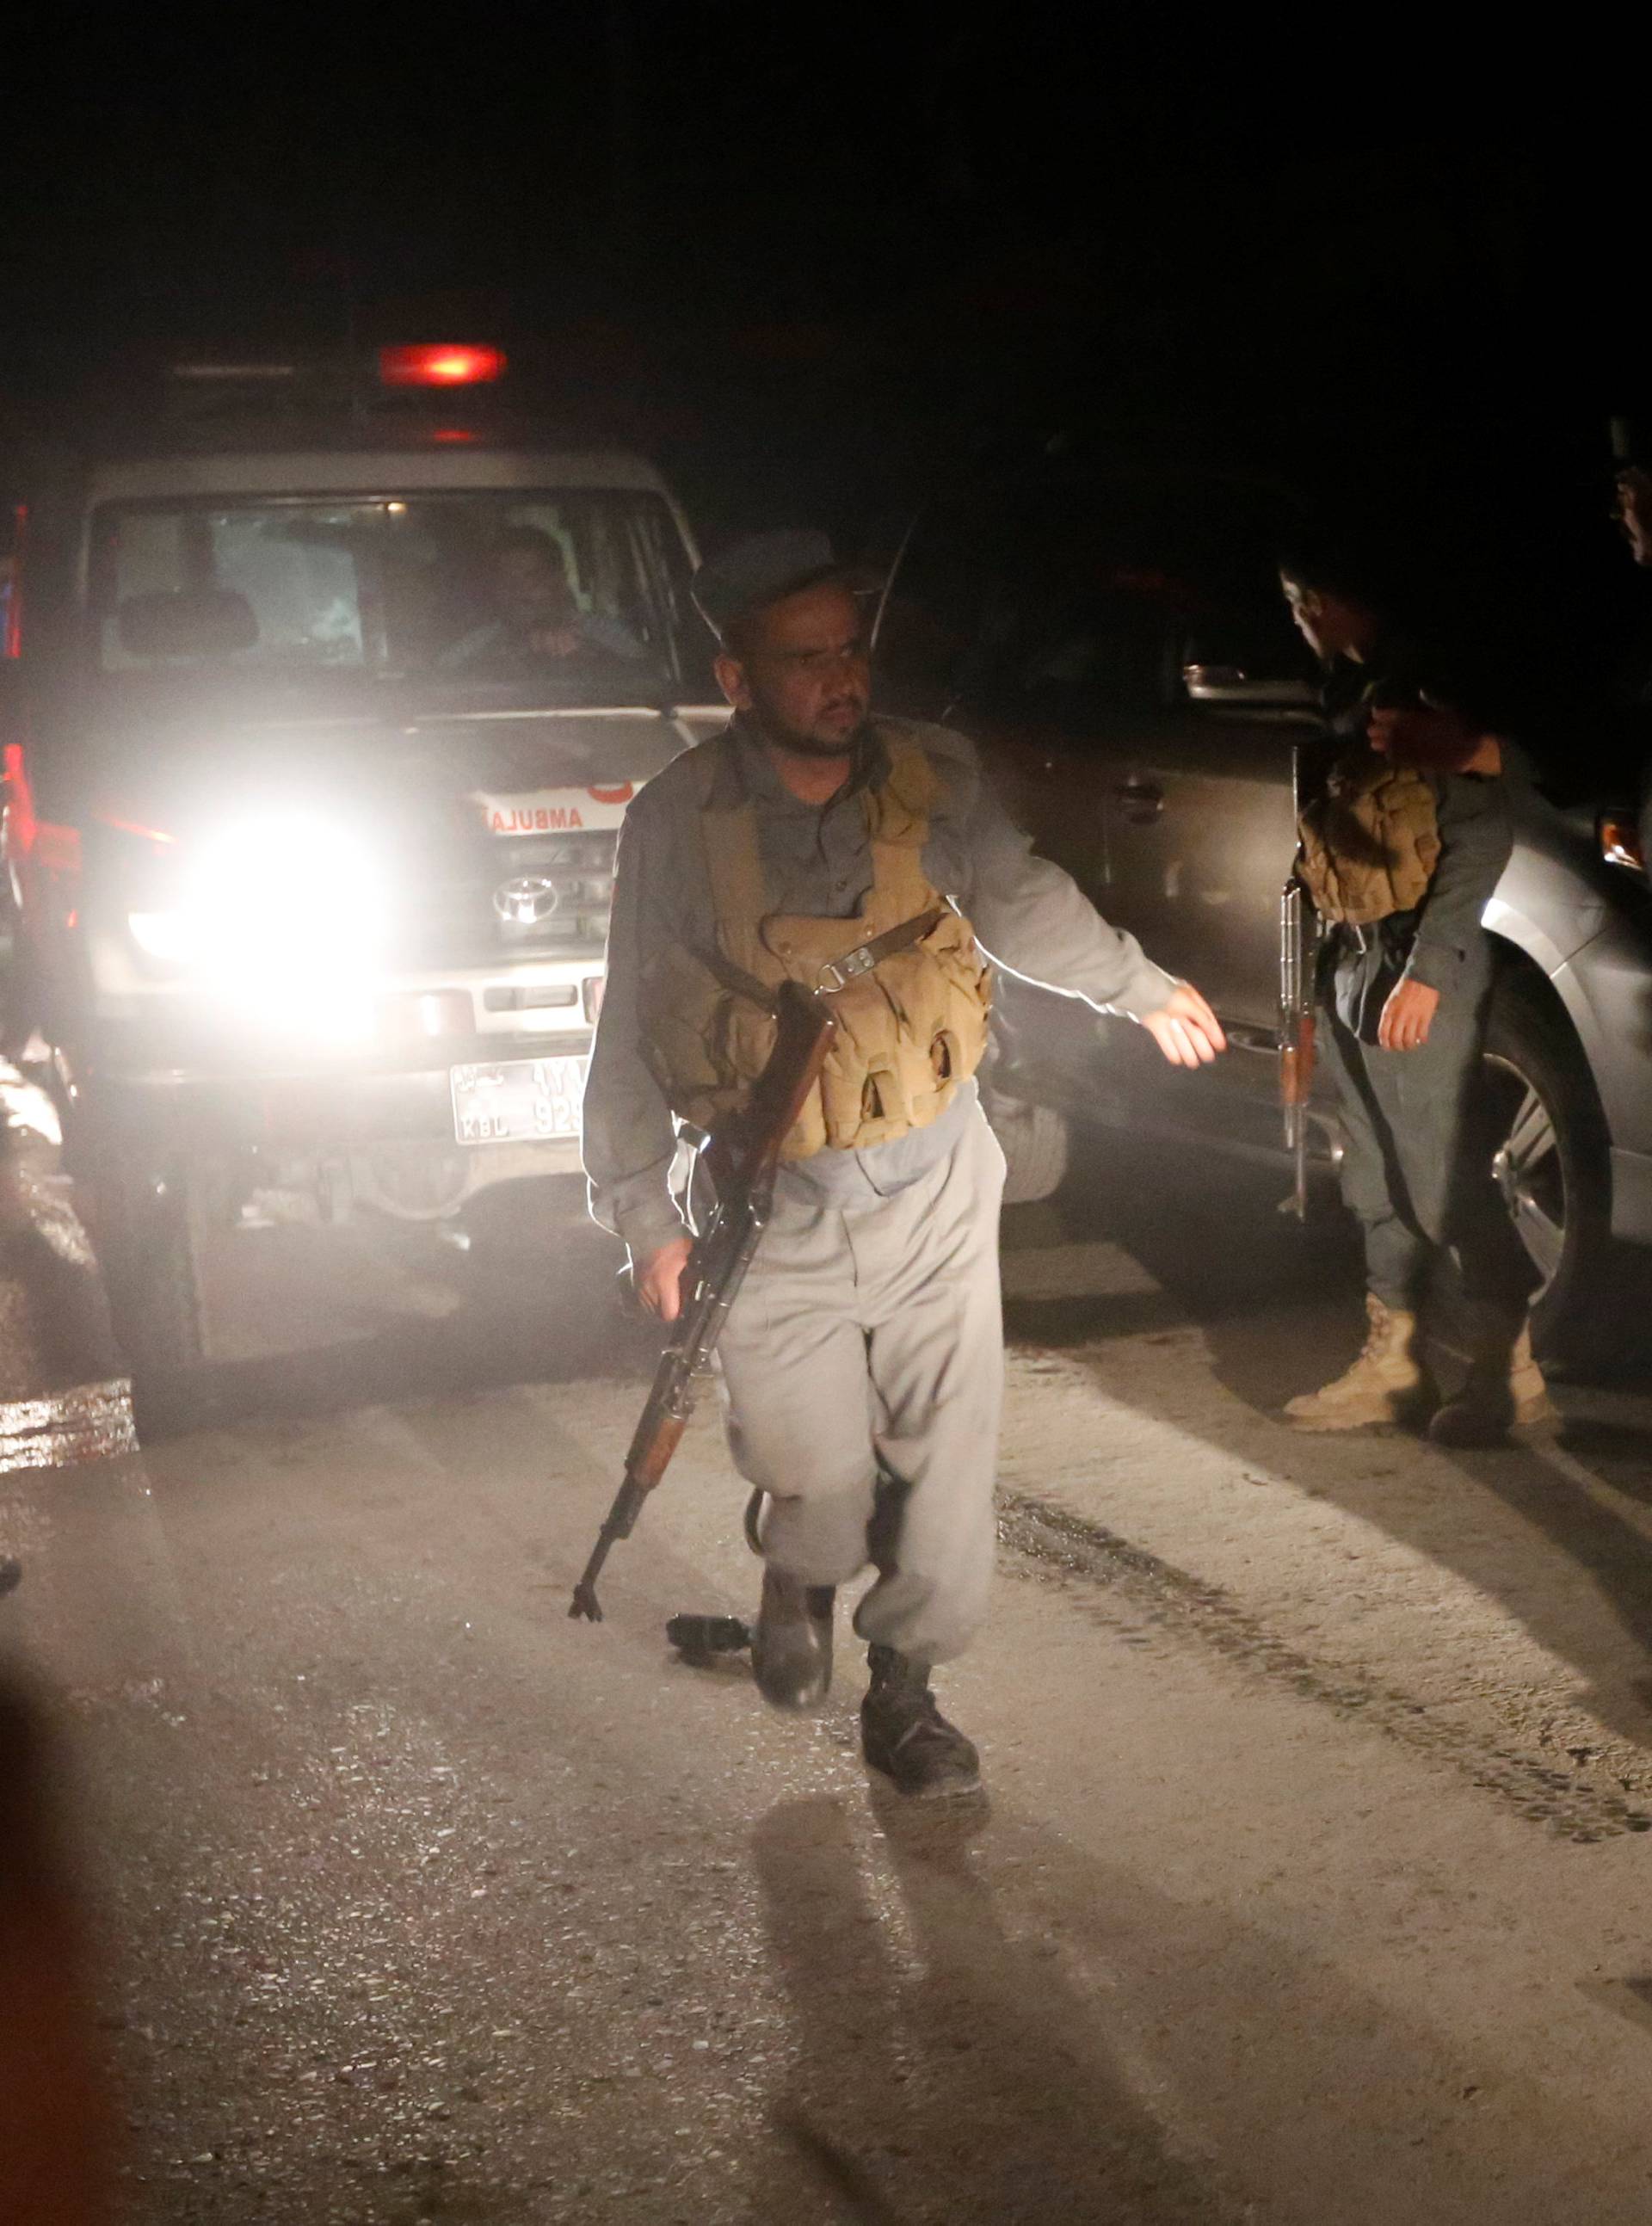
(760, 570)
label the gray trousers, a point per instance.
(862, 1368)
(1416, 1171)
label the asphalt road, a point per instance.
(1313, 1886)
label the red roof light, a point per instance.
(440, 367)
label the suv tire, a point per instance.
(1037, 1145)
(145, 1232)
(1552, 1164)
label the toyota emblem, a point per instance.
(530, 898)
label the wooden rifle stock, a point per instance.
(744, 1156)
(1296, 1063)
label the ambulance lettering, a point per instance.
(556, 810)
(535, 819)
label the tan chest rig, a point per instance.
(912, 1026)
(1371, 845)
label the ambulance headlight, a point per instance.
(285, 913)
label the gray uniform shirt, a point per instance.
(1028, 915)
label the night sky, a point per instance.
(810, 255)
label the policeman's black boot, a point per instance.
(904, 1735)
(791, 1647)
(1502, 1391)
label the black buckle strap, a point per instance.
(840, 972)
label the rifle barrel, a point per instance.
(622, 1516)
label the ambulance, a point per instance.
(322, 697)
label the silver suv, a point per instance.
(319, 723)
(1117, 644)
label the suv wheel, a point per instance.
(143, 1228)
(1549, 1161)
(1037, 1145)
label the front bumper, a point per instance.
(217, 1070)
(309, 1145)
(315, 1128)
(335, 1108)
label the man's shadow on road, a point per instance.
(943, 2066)
(1005, 2028)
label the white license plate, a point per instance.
(517, 1100)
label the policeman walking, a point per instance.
(862, 1362)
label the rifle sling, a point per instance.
(735, 978)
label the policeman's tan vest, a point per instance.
(1369, 845)
(910, 1030)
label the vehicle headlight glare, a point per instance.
(168, 936)
(281, 906)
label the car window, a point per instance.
(582, 591)
(1099, 593)
(1094, 632)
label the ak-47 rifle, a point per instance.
(1297, 944)
(742, 1159)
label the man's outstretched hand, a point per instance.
(1184, 1028)
(659, 1278)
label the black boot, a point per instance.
(791, 1647)
(904, 1735)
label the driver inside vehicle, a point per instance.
(537, 624)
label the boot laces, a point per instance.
(1379, 1334)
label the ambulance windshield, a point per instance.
(579, 597)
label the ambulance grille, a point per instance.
(510, 911)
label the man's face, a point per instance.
(1634, 511)
(804, 672)
(529, 589)
(1330, 627)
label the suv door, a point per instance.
(1202, 830)
(1058, 621)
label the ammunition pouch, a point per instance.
(1369, 846)
(909, 989)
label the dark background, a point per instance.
(815, 258)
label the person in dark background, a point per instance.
(1633, 504)
(1632, 507)
(538, 625)
(1399, 862)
